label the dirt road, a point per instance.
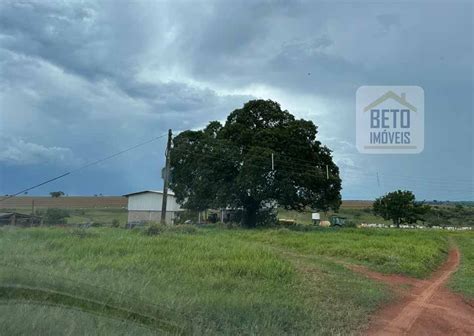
(427, 308)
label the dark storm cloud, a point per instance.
(82, 79)
(81, 38)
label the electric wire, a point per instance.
(89, 164)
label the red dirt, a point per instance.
(426, 308)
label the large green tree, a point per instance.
(231, 164)
(400, 207)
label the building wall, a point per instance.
(150, 216)
(151, 202)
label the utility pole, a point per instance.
(273, 163)
(327, 172)
(166, 178)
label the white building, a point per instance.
(145, 206)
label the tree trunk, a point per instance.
(249, 218)
(396, 222)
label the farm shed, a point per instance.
(145, 206)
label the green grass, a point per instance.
(212, 282)
(20, 318)
(463, 279)
(355, 215)
(103, 216)
(413, 253)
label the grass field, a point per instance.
(214, 281)
(354, 214)
(463, 279)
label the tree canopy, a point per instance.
(230, 165)
(400, 207)
(56, 193)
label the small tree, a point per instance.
(400, 207)
(56, 216)
(56, 194)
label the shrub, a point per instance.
(350, 224)
(115, 223)
(266, 217)
(156, 229)
(56, 216)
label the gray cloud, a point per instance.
(91, 78)
(16, 151)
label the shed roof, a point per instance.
(18, 215)
(148, 191)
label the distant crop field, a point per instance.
(106, 201)
(354, 204)
(64, 202)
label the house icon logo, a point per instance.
(390, 119)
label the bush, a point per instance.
(266, 217)
(115, 223)
(56, 216)
(157, 229)
(350, 224)
(154, 230)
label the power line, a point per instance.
(92, 163)
(318, 172)
(293, 164)
(308, 164)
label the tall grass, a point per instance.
(212, 282)
(413, 253)
(463, 279)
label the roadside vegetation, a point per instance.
(410, 253)
(208, 280)
(463, 279)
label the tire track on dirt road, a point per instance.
(427, 309)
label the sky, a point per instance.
(80, 80)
